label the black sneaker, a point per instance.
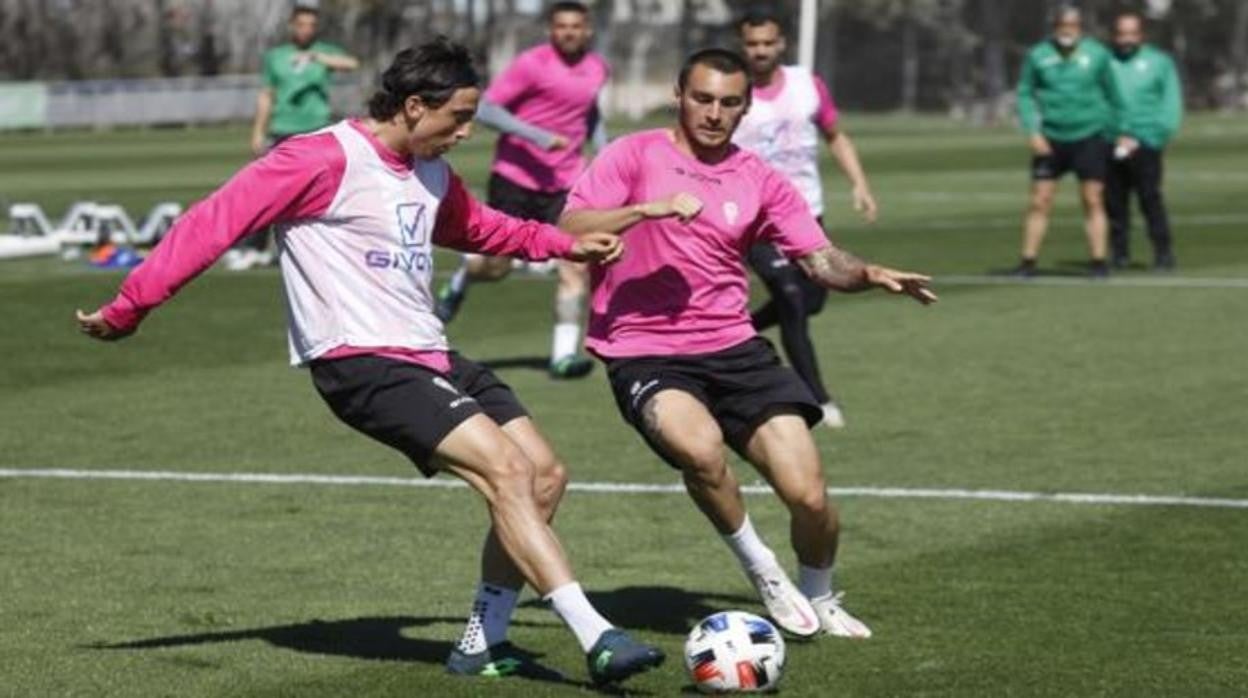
(499, 661)
(1121, 262)
(1098, 269)
(574, 366)
(616, 656)
(447, 304)
(1165, 261)
(1026, 269)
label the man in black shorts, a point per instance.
(1068, 103)
(671, 320)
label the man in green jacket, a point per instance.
(1068, 104)
(1153, 109)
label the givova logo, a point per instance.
(413, 224)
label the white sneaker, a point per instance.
(787, 606)
(236, 260)
(832, 416)
(835, 620)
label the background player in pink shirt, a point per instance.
(546, 106)
(671, 321)
(791, 118)
(358, 207)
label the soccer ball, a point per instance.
(733, 652)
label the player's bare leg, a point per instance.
(1096, 224)
(565, 358)
(472, 268)
(482, 454)
(785, 455)
(686, 432)
(1036, 223)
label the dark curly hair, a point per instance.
(432, 71)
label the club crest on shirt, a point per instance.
(413, 224)
(731, 212)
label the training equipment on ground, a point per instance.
(86, 223)
(733, 652)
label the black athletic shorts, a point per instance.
(515, 200)
(742, 387)
(409, 407)
(1088, 158)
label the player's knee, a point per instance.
(511, 476)
(703, 460)
(1041, 203)
(551, 481)
(793, 299)
(810, 502)
(493, 268)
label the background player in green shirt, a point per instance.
(295, 96)
(294, 100)
(1153, 109)
(1067, 102)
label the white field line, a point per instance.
(632, 488)
(1159, 281)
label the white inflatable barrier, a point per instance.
(86, 223)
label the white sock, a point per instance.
(749, 548)
(814, 582)
(490, 618)
(566, 341)
(580, 616)
(459, 280)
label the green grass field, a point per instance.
(159, 588)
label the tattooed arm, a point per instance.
(834, 268)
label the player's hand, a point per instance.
(1040, 146)
(597, 248)
(96, 327)
(864, 203)
(258, 144)
(902, 282)
(558, 142)
(684, 206)
(1125, 147)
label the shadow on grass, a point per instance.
(660, 609)
(374, 638)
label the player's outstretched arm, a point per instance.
(834, 268)
(684, 206)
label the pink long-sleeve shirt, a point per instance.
(356, 223)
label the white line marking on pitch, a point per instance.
(1160, 281)
(633, 488)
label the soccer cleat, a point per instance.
(833, 418)
(571, 366)
(1164, 261)
(1026, 269)
(1098, 269)
(1121, 262)
(616, 656)
(787, 606)
(835, 620)
(448, 302)
(501, 660)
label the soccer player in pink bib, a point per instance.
(545, 104)
(358, 207)
(791, 117)
(671, 322)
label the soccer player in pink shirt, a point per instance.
(358, 208)
(545, 104)
(790, 118)
(671, 322)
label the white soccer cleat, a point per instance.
(836, 621)
(832, 416)
(787, 606)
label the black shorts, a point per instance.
(409, 407)
(742, 387)
(1088, 158)
(515, 200)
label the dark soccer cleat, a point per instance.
(574, 366)
(448, 302)
(1026, 269)
(1165, 261)
(501, 660)
(1121, 262)
(1098, 269)
(616, 656)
